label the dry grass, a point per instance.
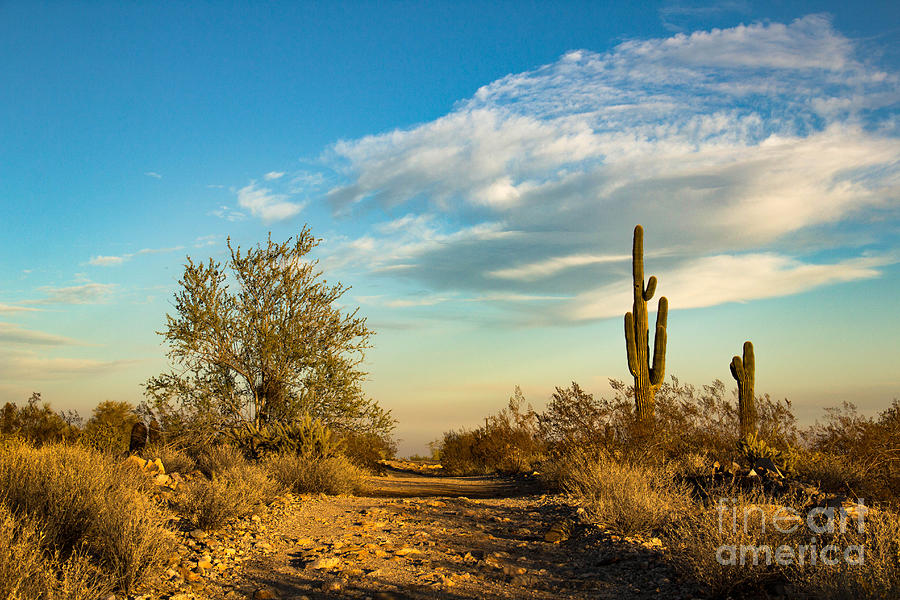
(311, 474)
(215, 460)
(85, 504)
(174, 459)
(236, 486)
(877, 577)
(624, 497)
(29, 570)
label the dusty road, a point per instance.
(415, 536)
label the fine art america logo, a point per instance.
(820, 521)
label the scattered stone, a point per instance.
(325, 563)
(265, 593)
(558, 533)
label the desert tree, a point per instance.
(261, 338)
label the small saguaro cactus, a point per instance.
(743, 372)
(647, 377)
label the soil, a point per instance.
(416, 534)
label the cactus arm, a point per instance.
(658, 371)
(651, 288)
(630, 345)
(737, 369)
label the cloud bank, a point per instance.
(750, 148)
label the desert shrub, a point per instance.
(509, 442)
(310, 474)
(37, 423)
(30, 570)
(305, 435)
(174, 459)
(235, 487)
(573, 419)
(705, 538)
(879, 574)
(216, 459)
(754, 448)
(622, 496)
(687, 419)
(862, 454)
(707, 546)
(366, 449)
(109, 428)
(87, 503)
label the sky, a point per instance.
(475, 171)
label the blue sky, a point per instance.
(475, 171)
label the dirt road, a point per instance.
(416, 537)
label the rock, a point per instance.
(559, 532)
(405, 551)
(137, 461)
(263, 545)
(164, 480)
(265, 593)
(332, 586)
(199, 534)
(325, 563)
(767, 466)
(512, 570)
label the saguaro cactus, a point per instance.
(743, 372)
(647, 377)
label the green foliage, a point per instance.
(366, 449)
(261, 339)
(109, 427)
(304, 473)
(307, 436)
(647, 376)
(753, 448)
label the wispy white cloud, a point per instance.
(11, 333)
(556, 264)
(87, 293)
(266, 204)
(12, 308)
(114, 261)
(153, 174)
(711, 280)
(731, 142)
(108, 261)
(271, 175)
(228, 214)
(206, 240)
(24, 365)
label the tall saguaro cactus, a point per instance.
(743, 372)
(647, 377)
